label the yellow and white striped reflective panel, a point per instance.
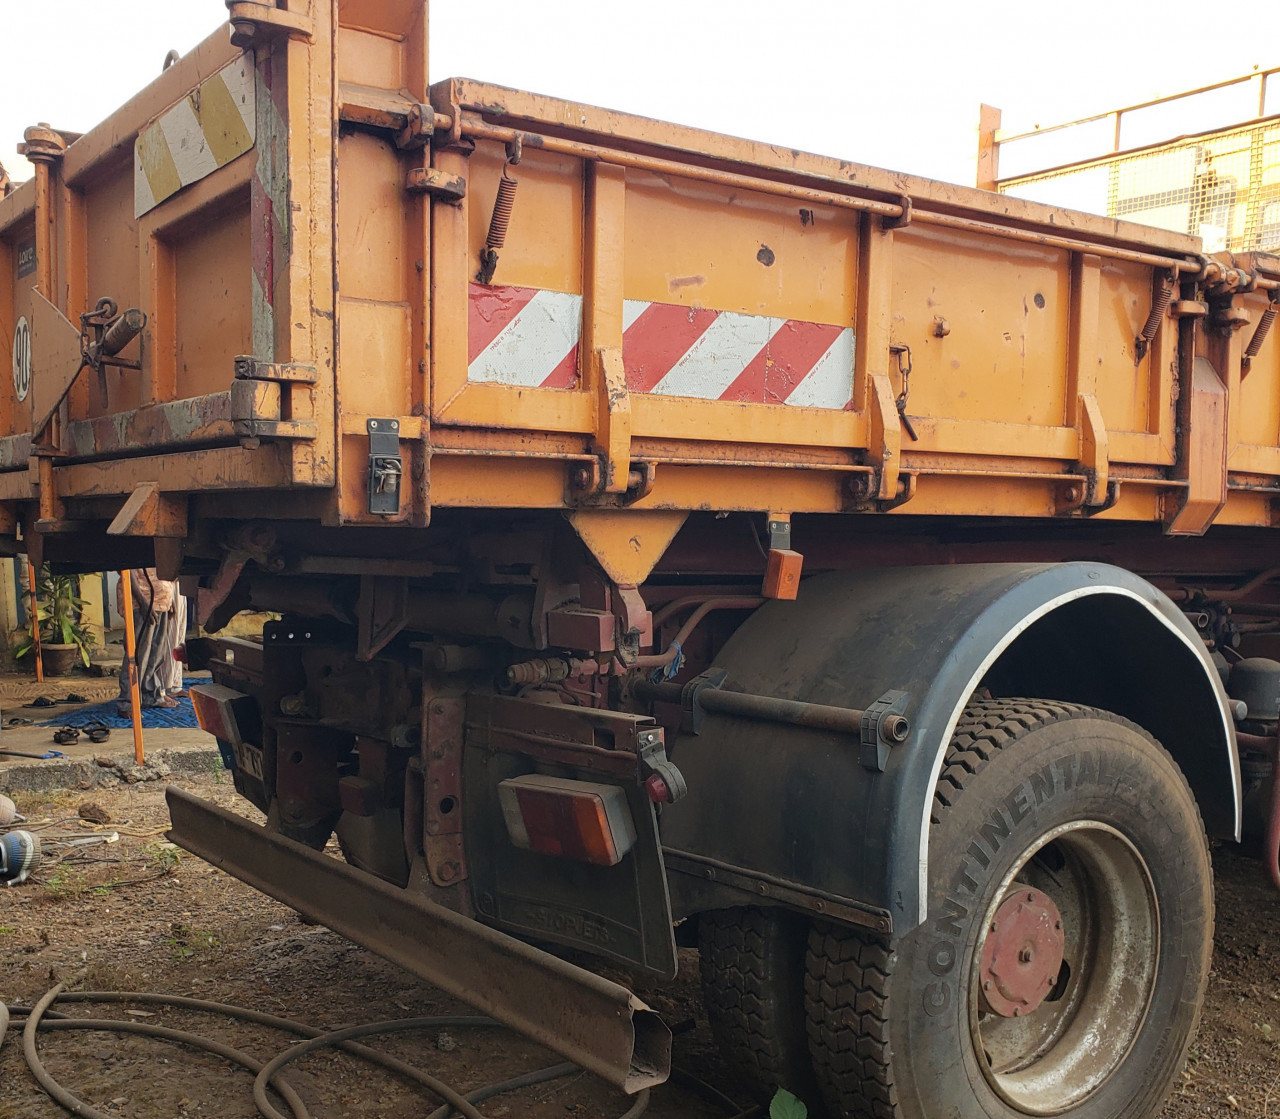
(207, 129)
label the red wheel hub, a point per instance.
(1022, 955)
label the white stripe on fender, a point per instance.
(533, 344)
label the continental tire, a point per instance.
(752, 977)
(1062, 965)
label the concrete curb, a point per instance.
(109, 770)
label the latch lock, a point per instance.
(385, 467)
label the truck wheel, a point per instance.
(752, 975)
(1062, 964)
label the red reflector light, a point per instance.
(572, 819)
(216, 710)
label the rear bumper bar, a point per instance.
(597, 1024)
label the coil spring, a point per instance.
(1260, 331)
(502, 210)
(1159, 307)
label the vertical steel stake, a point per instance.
(131, 659)
(35, 622)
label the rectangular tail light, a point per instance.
(572, 819)
(225, 713)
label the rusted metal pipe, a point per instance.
(1014, 233)
(1263, 743)
(725, 602)
(791, 712)
(1233, 594)
(123, 330)
(482, 131)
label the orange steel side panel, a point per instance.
(675, 320)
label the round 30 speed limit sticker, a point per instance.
(22, 359)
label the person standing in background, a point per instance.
(152, 618)
(175, 636)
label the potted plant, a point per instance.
(64, 636)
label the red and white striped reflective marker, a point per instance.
(529, 338)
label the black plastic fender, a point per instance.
(793, 807)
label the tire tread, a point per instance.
(849, 973)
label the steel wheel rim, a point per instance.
(1065, 1050)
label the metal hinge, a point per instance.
(249, 368)
(385, 467)
(438, 184)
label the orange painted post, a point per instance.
(131, 659)
(988, 148)
(35, 622)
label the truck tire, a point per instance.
(752, 976)
(1074, 832)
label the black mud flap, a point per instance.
(620, 912)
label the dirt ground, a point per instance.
(137, 914)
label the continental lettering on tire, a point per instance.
(1063, 774)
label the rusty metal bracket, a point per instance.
(257, 409)
(1094, 450)
(884, 442)
(253, 22)
(419, 127)
(587, 1019)
(382, 611)
(249, 368)
(436, 183)
(884, 726)
(902, 220)
(444, 719)
(148, 512)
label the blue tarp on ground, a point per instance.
(181, 716)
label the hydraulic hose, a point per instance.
(41, 1017)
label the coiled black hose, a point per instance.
(40, 1017)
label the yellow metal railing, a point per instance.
(1221, 183)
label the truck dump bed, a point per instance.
(362, 307)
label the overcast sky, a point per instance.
(889, 84)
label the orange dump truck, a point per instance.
(675, 540)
